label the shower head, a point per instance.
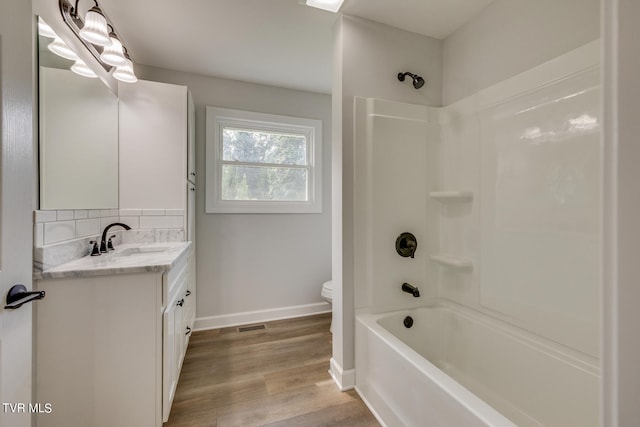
(418, 81)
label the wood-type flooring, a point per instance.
(274, 377)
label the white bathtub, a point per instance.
(461, 369)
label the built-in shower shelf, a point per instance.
(453, 261)
(452, 195)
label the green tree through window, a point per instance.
(268, 165)
(262, 163)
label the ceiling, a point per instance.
(276, 42)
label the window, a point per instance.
(262, 163)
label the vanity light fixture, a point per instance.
(125, 72)
(330, 5)
(82, 69)
(60, 48)
(95, 27)
(45, 30)
(114, 55)
(99, 37)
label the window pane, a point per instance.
(263, 147)
(264, 183)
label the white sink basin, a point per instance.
(142, 250)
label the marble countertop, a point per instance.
(127, 258)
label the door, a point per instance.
(169, 358)
(16, 205)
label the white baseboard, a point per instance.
(236, 319)
(345, 379)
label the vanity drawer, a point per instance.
(175, 281)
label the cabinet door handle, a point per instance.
(180, 303)
(188, 331)
(187, 293)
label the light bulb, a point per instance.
(330, 5)
(95, 28)
(125, 73)
(60, 48)
(45, 30)
(82, 69)
(114, 55)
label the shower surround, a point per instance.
(503, 192)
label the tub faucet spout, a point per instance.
(410, 289)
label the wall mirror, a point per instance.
(78, 131)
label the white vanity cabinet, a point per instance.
(110, 347)
(177, 321)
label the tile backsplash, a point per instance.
(63, 235)
(63, 225)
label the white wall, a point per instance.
(373, 55)
(368, 57)
(341, 303)
(622, 209)
(511, 36)
(256, 262)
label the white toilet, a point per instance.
(327, 295)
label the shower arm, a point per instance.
(401, 76)
(418, 81)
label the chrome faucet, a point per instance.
(410, 289)
(104, 247)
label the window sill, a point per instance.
(243, 207)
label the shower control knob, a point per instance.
(406, 245)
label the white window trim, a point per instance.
(217, 117)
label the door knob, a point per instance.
(18, 295)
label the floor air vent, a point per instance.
(252, 328)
